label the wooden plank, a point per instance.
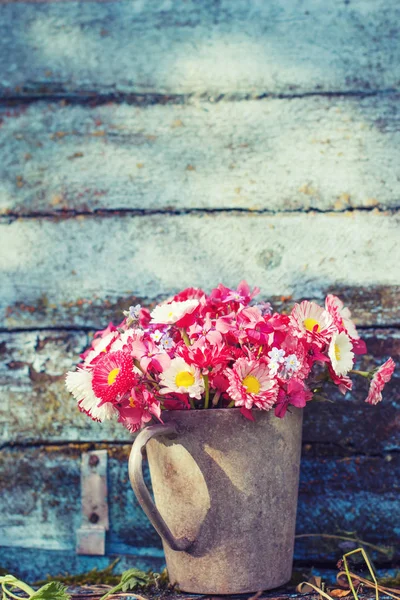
(39, 508)
(62, 273)
(35, 406)
(241, 48)
(323, 153)
(40, 503)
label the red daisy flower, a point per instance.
(113, 376)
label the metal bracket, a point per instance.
(91, 536)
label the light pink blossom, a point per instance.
(381, 377)
(250, 384)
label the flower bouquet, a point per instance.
(222, 350)
(224, 379)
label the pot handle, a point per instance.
(141, 491)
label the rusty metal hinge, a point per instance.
(91, 536)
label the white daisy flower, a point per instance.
(168, 314)
(79, 383)
(182, 378)
(341, 354)
(309, 319)
(100, 346)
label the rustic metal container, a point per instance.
(225, 492)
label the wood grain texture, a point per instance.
(39, 506)
(240, 48)
(35, 407)
(55, 273)
(328, 154)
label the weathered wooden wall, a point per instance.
(148, 146)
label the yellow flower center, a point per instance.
(251, 384)
(131, 402)
(184, 379)
(309, 324)
(170, 315)
(337, 352)
(112, 376)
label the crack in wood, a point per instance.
(86, 445)
(98, 98)
(10, 217)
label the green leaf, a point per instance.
(132, 579)
(52, 591)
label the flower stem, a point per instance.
(192, 404)
(185, 337)
(207, 391)
(137, 365)
(362, 373)
(9, 580)
(231, 404)
(216, 398)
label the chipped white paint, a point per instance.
(242, 47)
(34, 404)
(274, 154)
(147, 256)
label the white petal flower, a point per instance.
(79, 383)
(174, 311)
(341, 353)
(101, 346)
(182, 378)
(156, 335)
(292, 363)
(277, 355)
(273, 366)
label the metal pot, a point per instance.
(225, 491)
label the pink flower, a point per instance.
(205, 356)
(100, 345)
(359, 346)
(138, 409)
(189, 294)
(205, 331)
(312, 322)
(295, 393)
(343, 382)
(341, 316)
(241, 295)
(380, 378)
(250, 384)
(247, 325)
(149, 355)
(103, 333)
(113, 376)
